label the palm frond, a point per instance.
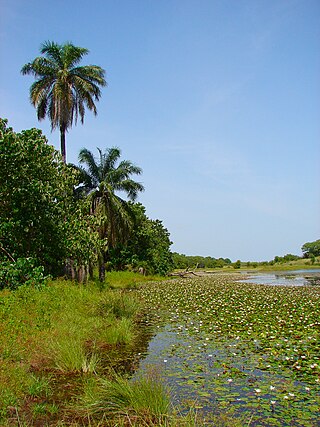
(72, 55)
(53, 52)
(70, 89)
(87, 159)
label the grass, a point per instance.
(63, 348)
(60, 328)
(146, 398)
(56, 341)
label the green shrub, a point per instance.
(22, 272)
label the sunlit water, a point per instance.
(206, 373)
(285, 278)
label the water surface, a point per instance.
(285, 278)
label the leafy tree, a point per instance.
(102, 178)
(237, 264)
(148, 246)
(35, 199)
(82, 241)
(185, 261)
(63, 89)
(311, 249)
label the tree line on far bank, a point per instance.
(310, 251)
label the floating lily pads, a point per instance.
(254, 349)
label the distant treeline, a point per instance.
(310, 250)
(186, 261)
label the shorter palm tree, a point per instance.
(102, 178)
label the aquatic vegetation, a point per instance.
(250, 349)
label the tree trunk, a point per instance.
(90, 267)
(102, 271)
(63, 143)
(102, 260)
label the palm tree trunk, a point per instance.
(90, 272)
(102, 269)
(63, 143)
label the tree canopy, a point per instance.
(311, 249)
(103, 179)
(148, 247)
(63, 89)
(35, 197)
(54, 215)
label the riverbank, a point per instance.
(67, 352)
(202, 351)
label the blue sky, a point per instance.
(217, 100)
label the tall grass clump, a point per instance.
(146, 398)
(119, 305)
(120, 332)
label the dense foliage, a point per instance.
(311, 249)
(148, 248)
(35, 198)
(57, 218)
(102, 180)
(187, 261)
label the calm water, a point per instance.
(285, 278)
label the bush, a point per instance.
(22, 272)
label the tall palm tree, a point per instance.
(63, 89)
(102, 179)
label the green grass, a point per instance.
(128, 279)
(60, 328)
(58, 342)
(146, 398)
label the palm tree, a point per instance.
(63, 89)
(102, 179)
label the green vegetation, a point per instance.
(45, 228)
(35, 199)
(70, 350)
(182, 261)
(148, 248)
(311, 249)
(247, 350)
(101, 179)
(63, 89)
(66, 353)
